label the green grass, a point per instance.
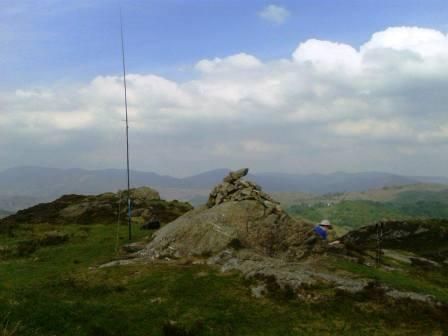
(413, 196)
(57, 290)
(414, 282)
(354, 214)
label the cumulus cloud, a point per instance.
(239, 61)
(327, 55)
(274, 13)
(425, 42)
(329, 106)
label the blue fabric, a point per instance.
(321, 232)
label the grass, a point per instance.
(354, 214)
(413, 196)
(426, 283)
(6, 329)
(57, 290)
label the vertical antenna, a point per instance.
(379, 240)
(127, 125)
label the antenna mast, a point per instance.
(127, 125)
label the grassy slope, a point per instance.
(54, 291)
(392, 193)
(413, 280)
(355, 209)
(354, 214)
(417, 192)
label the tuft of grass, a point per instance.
(10, 329)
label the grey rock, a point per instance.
(287, 274)
(236, 175)
(234, 212)
(410, 295)
(206, 231)
(133, 247)
(259, 291)
(233, 188)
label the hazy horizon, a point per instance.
(251, 171)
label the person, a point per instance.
(319, 233)
(317, 241)
(322, 229)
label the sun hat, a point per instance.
(325, 222)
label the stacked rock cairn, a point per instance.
(233, 188)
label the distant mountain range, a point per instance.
(23, 186)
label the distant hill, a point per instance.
(30, 185)
(355, 209)
(13, 203)
(288, 198)
(355, 214)
(4, 213)
(330, 183)
(401, 193)
(423, 196)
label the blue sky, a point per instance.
(291, 86)
(50, 40)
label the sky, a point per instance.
(298, 86)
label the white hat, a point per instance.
(325, 222)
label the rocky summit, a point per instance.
(238, 214)
(100, 209)
(242, 228)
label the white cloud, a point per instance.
(373, 128)
(241, 61)
(424, 42)
(256, 146)
(327, 55)
(329, 105)
(275, 14)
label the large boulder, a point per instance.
(238, 214)
(142, 194)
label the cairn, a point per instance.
(238, 216)
(234, 188)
